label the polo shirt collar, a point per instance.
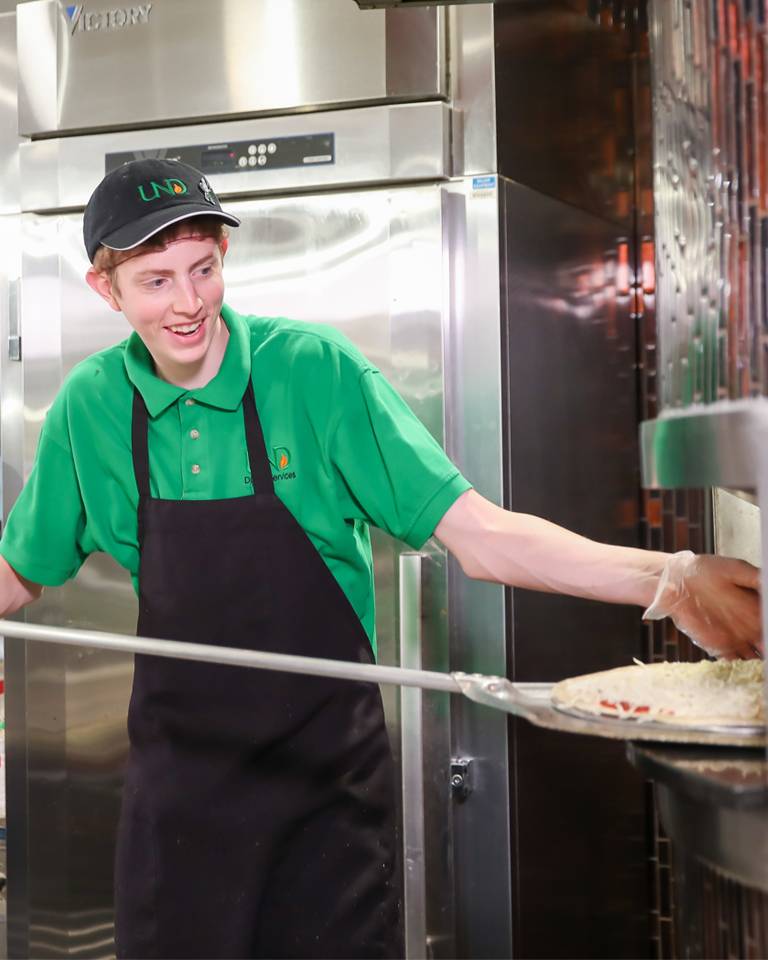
(224, 391)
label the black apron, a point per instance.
(258, 808)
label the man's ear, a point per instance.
(102, 284)
(224, 246)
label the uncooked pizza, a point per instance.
(708, 693)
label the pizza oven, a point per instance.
(710, 435)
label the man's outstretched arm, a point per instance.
(712, 599)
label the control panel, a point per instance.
(242, 156)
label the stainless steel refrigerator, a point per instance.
(360, 150)
(351, 217)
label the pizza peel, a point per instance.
(532, 701)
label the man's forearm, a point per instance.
(714, 600)
(15, 591)
(526, 551)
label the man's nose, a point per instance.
(187, 299)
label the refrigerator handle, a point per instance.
(14, 320)
(411, 746)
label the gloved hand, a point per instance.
(714, 600)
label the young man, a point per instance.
(258, 808)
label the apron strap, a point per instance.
(140, 443)
(261, 471)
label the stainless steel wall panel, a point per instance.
(32, 677)
(416, 53)
(17, 806)
(473, 439)
(140, 64)
(9, 120)
(11, 449)
(402, 142)
(563, 105)
(418, 310)
(473, 89)
(37, 64)
(571, 457)
(11, 403)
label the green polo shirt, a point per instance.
(345, 450)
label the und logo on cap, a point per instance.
(172, 187)
(138, 198)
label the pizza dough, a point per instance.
(719, 693)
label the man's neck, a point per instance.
(191, 378)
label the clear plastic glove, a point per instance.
(714, 600)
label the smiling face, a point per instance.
(172, 298)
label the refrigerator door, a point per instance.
(374, 264)
(179, 60)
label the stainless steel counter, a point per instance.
(713, 804)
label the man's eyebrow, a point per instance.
(154, 273)
(170, 273)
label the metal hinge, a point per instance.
(461, 783)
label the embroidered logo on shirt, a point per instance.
(279, 461)
(281, 457)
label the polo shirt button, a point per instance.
(189, 402)
(195, 434)
(195, 468)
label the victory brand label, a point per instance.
(83, 20)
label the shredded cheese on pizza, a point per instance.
(719, 693)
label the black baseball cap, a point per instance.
(137, 200)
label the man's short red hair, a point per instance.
(108, 260)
